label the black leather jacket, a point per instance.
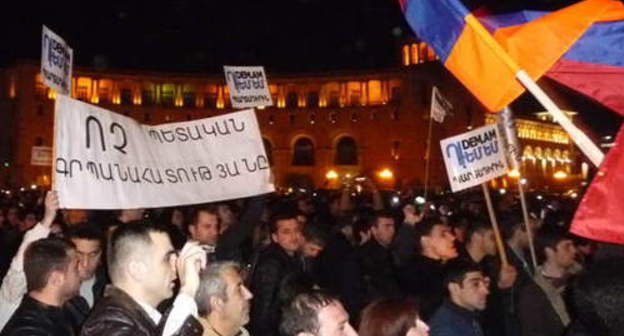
(117, 314)
(34, 318)
(271, 269)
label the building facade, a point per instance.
(322, 127)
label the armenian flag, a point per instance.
(486, 52)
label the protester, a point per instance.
(143, 265)
(223, 300)
(14, 284)
(392, 317)
(52, 279)
(423, 274)
(467, 288)
(315, 313)
(542, 309)
(270, 268)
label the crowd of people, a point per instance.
(311, 263)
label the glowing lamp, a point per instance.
(386, 174)
(331, 175)
(514, 173)
(560, 175)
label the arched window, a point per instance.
(303, 153)
(268, 148)
(346, 152)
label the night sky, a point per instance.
(200, 36)
(203, 35)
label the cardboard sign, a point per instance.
(440, 107)
(104, 160)
(248, 86)
(56, 62)
(474, 157)
(41, 156)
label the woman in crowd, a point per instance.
(392, 317)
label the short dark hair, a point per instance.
(314, 234)
(425, 228)
(511, 222)
(549, 237)
(388, 317)
(127, 240)
(457, 269)
(381, 214)
(301, 314)
(287, 215)
(86, 230)
(598, 297)
(211, 209)
(42, 257)
(476, 226)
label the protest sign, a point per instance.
(41, 156)
(248, 86)
(56, 62)
(474, 157)
(440, 107)
(104, 160)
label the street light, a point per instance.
(331, 175)
(560, 175)
(514, 173)
(386, 174)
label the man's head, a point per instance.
(51, 265)
(141, 260)
(435, 240)
(129, 215)
(467, 286)
(313, 241)
(286, 232)
(204, 225)
(555, 246)
(514, 229)
(88, 239)
(223, 295)
(226, 214)
(315, 313)
(382, 228)
(29, 220)
(480, 235)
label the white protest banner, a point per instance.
(440, 107)
(104, 160)
(248, 86)
(474, 157)
(56, 62)
(41, 156)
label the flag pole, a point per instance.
(428, 151)
(586, 146)
(513, 150)
(497, 234)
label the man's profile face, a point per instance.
(288, 235)
(489, 242)
(565, 253)
(206, 230)
(472, 292)
(236, 306)
(89, 254)
(161, 260)
(333, 320)
(441, 239)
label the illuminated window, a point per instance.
(303, 154)
(126, 96)
(406, 55)
(105, 90)
(83, 88)
(415, 58)
(313, 99)
(374, 92)
(167, 96)
(40, 88)
(291, 99)
(346, 152)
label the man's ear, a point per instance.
(453, 288)
(192, 230)
(216, 303)
(56, 279)
(136, 270)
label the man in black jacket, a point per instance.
(51, 269)
(142, 265)
(274, 266)
(378, 269)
